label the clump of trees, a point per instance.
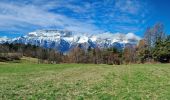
(10, 52)
(95, 55)
(155, 47)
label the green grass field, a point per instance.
(84, 81)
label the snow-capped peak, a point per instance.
(65, 40)
(3, 39)
(83, 39)
(32, 34)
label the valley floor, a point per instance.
(84, 81)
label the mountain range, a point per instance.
(63, 41)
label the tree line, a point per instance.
(154, 47)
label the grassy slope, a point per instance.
(78, 81)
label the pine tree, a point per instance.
(161, 50)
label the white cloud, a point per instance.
(118, 36)
(20, 15)
(12, 15)
(132, 36)
(128, 6)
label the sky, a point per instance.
(18, 17)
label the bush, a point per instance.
(10, 57)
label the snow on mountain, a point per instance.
(65, 40)
(3, 39)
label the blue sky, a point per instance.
(18, 17)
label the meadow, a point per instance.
(84, 81)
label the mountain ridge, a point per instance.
(66, 40)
